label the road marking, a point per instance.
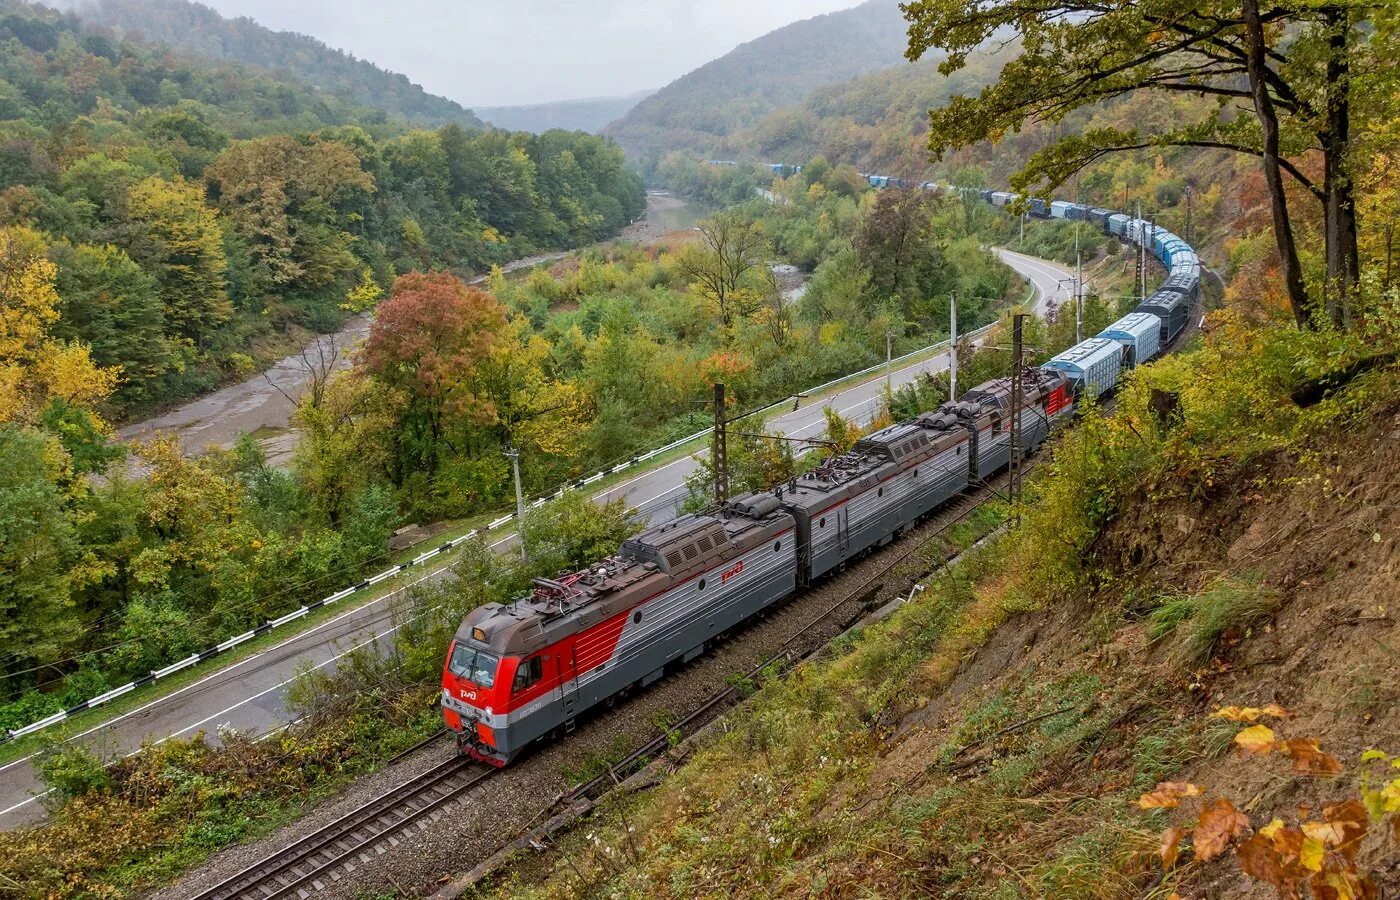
(245, 701)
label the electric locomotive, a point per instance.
(521, 671)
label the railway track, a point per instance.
(304, 867)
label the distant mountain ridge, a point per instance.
(585, 114)
(781, 68)
(198, 29)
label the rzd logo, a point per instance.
(738, 567)
(468, 695)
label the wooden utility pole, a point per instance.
(953, 346)
(721, 448)
(1188, 214)
(1017, 393)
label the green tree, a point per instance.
(109, 303)
(177, 240)
(721, 268)
(38, 547)
(285, 197)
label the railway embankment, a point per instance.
(1174, 675)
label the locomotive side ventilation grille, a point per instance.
(673, 559)
(705, 544)
(690, 552)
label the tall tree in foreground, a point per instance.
(1276, 81)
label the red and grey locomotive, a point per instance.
(517, 672)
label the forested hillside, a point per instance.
(196, 211)
(574, 115)
(198, 29)
(778, 69)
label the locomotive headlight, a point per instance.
(487, 710)
(446, 696)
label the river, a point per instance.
(263, 405)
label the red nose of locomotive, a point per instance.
(474, 688)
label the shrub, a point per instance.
(1197, 623)
(72, 770)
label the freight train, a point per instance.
(522, 671)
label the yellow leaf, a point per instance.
(1272, 829)
(1256, 739)
(1167, 795)
(1251, 714)
(1311, 857)
(1391, 795)
(1373, 754)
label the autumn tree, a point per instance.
(428, 341)
(284, 198)
(721, 267)
(35, 366)
(176, 238)
(1277, 81)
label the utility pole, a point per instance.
(889, 358)
(1140, 276)
(953, 346)
(1017, 393)
(514, 455)
(1078, 296)
(1023, 231)
(721, 449)
(1188, 214)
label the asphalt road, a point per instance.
(249, 695)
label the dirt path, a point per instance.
(263, 404)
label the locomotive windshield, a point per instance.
(477, 666)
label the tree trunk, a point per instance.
(1343, 257)
(1273, 174)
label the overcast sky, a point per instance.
(505, 52)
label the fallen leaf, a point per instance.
(1251, 714)
(1256, 739)
(1171, 846)
(1272, 829)
(1309, 758)
(1218, 824)
(1167, 795)
(1351, 822)
(1260, 861)
(1336, 884)
(1310, 857)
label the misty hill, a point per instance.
(779, 69)
(877, 122)
(199, 29)
(590, 114)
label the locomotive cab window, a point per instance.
(529, 672)
(476, 666)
